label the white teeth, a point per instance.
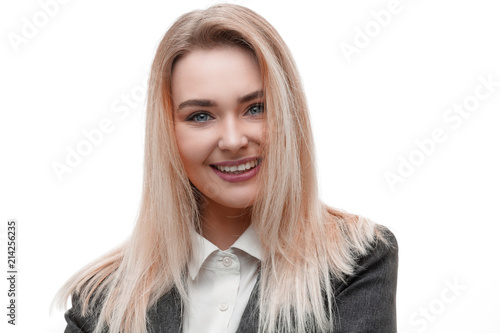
(241, 167)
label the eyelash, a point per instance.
(192, 116)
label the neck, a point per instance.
(222, 225)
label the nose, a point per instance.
(232, 135)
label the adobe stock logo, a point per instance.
(121, 108)
(30, 28)
(453, 117)
(363, 37)
(430, 313)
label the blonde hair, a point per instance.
(306, 243)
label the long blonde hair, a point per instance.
(305, 242)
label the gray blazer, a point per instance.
(365, 302)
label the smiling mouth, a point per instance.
(237, 169)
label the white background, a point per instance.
(90, 55)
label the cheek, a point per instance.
(192, 148)
(258, 133)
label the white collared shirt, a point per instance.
(220, 284)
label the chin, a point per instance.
(235, 201)
(227, 197)
(237, 204)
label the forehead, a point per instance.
(215, 73)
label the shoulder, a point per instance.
(381, 259)
(366, 299)
(384, 249)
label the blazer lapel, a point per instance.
(166, 315)
(250, 320)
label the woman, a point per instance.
(231, 234)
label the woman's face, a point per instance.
(219, 122)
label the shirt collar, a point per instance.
(248, 242)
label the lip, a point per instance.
(241, 177)
(238, 162)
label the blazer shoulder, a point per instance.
(366, 299)
(385, 243)
(382, 256)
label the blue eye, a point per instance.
(256, 109)
(200, 117)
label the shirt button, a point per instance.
(223, 307)
(227, 261)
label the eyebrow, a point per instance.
(210, 103)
